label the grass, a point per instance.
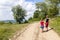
(34, 20)
(7, 30)
(55, 23)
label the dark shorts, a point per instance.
(42, 27)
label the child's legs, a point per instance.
(42, 27)
(46, 27)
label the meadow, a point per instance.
(7, 30)
(55, 24)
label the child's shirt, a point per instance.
(42, 23)
(47, 19)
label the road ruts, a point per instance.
(30, 33)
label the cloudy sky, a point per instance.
(6, 6)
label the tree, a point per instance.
(53, 9)
(54, 1)
(43, 11)
(50, 7)
(19, 13)
(36, 14)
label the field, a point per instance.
(7, 30)
(55, 24)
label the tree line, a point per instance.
(49, 7)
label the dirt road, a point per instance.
(33, 33)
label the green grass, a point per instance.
(34, 20)
(7, 30)
(55, 23)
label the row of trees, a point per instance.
(49, 7)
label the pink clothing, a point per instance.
(42, 23)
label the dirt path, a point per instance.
(30, 33)
(50, 35)
(33, 33)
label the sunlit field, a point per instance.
(55, 24)
(7, 30)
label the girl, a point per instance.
(47, 22)
(42, 25)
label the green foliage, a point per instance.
(50, 8)
(54, 1)
(53, 12)
(1, 22)
(55, 24)
(39, 14)
(53, 8)
(26, 21)
(41, 5)
(4, 33)
(19, 13)
(34, 20)
(36, 14)
(42, 15)
(30, 18)
(10, 22)
(41, 10)
(8, 30)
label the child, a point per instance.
(47, 22)
(42, 25)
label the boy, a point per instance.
(42, 25)
(47, 22)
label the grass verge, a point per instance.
(7, 30)
(55, 24)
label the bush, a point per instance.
(26, 21)
(10, 22)
(2, 22)
(30, 18)
(34, 19)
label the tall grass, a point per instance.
(55, 23)
(7, 30)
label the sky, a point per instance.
(6, 6)
(35, 0)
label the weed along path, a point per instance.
(33, 33)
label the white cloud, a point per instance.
(30, 7)
(5, 12)
(6, 5)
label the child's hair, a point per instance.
(46, 15)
